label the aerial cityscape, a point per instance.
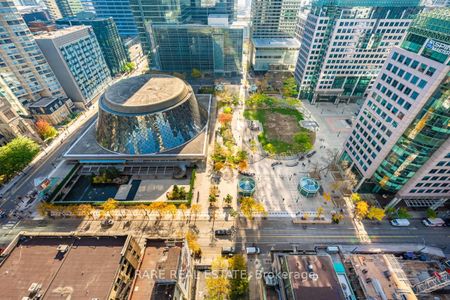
(225, 149)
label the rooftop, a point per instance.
(325, 287)
(145, 93)
(46, 101)
(87, 148)
(383, 271)
(85, 271)
(159, 265)
(369, 3)
(276, 42)
(60, 32)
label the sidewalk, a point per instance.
(392, 248)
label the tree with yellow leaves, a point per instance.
(361, 209)
(195, 209)
(193, 244)
(218, 284)
(171, 209)
(250, 208)
(319, 212)
(375, 213)
(109, 205)
(45, 208)
(183, 208)
(159, 207)
(84, 210)
(356, 197)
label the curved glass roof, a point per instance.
(309, 185)
(247, 184)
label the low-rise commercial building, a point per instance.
(77, 61)
(276, 54)
(52, 110)
(81, 266)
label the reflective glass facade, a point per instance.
(426, 134)
(213, 50)
(120, 10)
(149, 133)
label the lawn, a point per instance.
(281, 130)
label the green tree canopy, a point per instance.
(16, 155)
(239, 279)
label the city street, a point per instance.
(281, 233)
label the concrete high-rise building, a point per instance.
(69, 8)
(53, 9)
(274, 42)
(108, 38)
(208, 22)
(400, 142)
(119, 10)
(345, 44)
(77, 61)
(23, 67)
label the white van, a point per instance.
(252, 250)
(433, 222)
(400, 222)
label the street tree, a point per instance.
(431, 213)
(250, 208)
(319, 212)
(84, 210)
(239, 280)
(195, 209)
(196, 73)
(361, 209)
(375, 213)
(218, 284)
(183, 208)
(194, 246)
(45, 130)
(171, 209)
(402, 213)
(228, 199)
(225, 118)
(337, 217)
(355, 197)
(16, 155)
(144, 208)
(109, 205)
(159, 207)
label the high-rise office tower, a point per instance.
(77, 61)
(201, 27)
(273, 27)
(69, 8)
(53, 9)
(345, 44)
(107, 36)
(119, 10)
(400, 141)
(23, 67)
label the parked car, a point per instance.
(311, 153)
(2, 214)
(400, 222)
(228, 251)
(301, 157)
(252, 250)
(222, 232)
(433, 222)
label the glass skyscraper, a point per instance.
(107, 36)
(119, 10)
(400, 143)
(212, 50)
(345, 44)
(186, 28)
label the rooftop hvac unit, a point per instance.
(63, 248)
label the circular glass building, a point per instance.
(246, 186)
(308, 187)
(149, 114)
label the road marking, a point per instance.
(326, 236)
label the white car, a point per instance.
(252, 250)
(433, 222)
(400, 222)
